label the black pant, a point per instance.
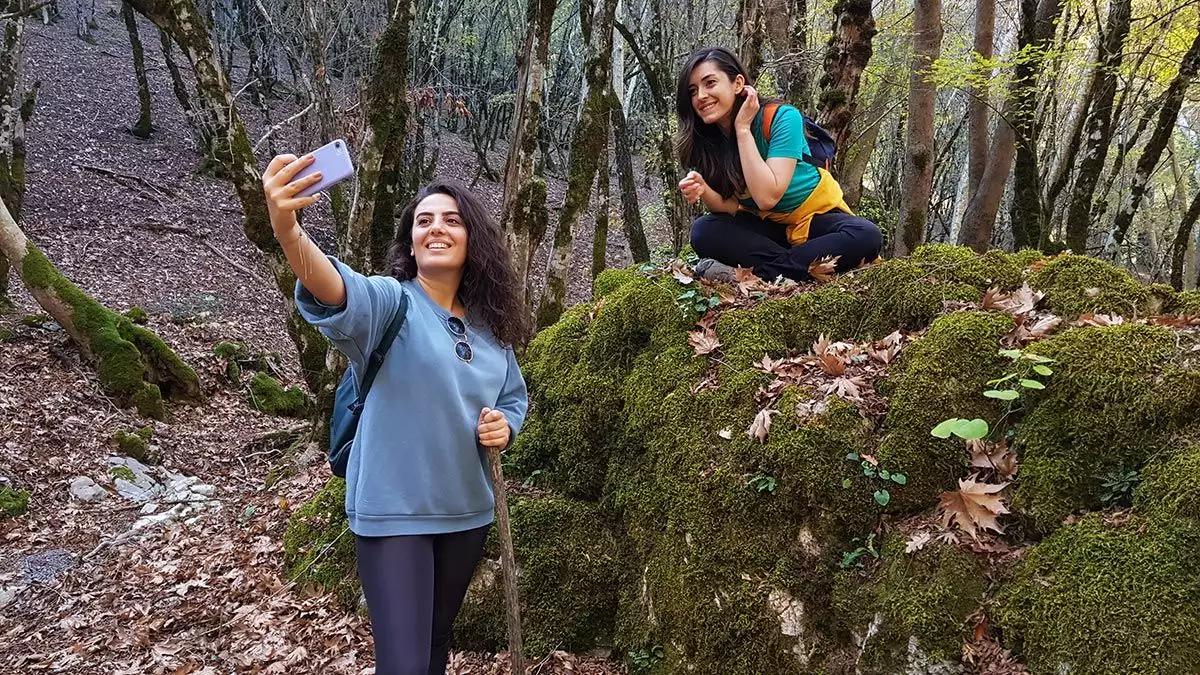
(414, 587)
(762, 245)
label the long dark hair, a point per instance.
(704, 147)
(489, 288)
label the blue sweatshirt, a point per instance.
(416, 466)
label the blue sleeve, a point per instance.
(356, 326)
(787, 135)
(514, 398)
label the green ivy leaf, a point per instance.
(1013, 354)
(971, 430)
(1042, 370)
(853, 456)
(845, 483)
(900, 479)
(1002, 394)
(1032, 384)
(885, 474)
(882, 497)
(946, 428)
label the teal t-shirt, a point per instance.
(787, 140)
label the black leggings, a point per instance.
(762, 245)
(414, 587)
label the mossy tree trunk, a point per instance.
(856, 157)
(590, 138)
(1167, 117)
(603, 207)
(14, 114)
(201, 130)
(382, 146)
(143, 128)
(187, 27)
(523, 211)
(919, 156)
(322, 93)
(1183, 240)
(978, 113)
(631, 215)
(1099, 128)
(846, 56)
(750, 36)
(133, 364)
(786, 24)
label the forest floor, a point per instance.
(78, 592)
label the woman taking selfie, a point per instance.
(418, 494)
(772, 211)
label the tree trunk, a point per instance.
(978, 111)
(631, 215)
(15, 111)
(185, 25)
(922, 94)
(748, 24)
(588, 142)
(786, 23)
(133, 364)
(1099, 128)
(980, 216)
(85, 19)
(523, 211)
(323, 101)
(603, 206)
(372, 220)
(202, 131)
(1027, 216)
(846, 56)
(143, 128)
(857, 155)
(1167, 117)
(1183, 240)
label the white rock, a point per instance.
(205, 490)
(136, 492)
(8, 594)
(149, 508)
(85, 489)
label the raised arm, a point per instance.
(766, 179)
(314, 271)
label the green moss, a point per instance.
(926, 595)
(777, 325)
(939, 376)
(35, 320)
(318, 547)
(232, 351)
(568, 567)
(959, 264)
(131, 362)
(1095, 598)
(1186, 303)
(1168, 486)
(899, 294)
(13, 503)
(6, 335)
(137, 445)
(123, 473)
(1076, 284)
(1114, 399)
(137, 315)
(267, 395)
(610, 280)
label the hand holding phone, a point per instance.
(332, 160)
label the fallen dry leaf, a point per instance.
(761, 426)
(703, 341)
(917, 542)
(1098, 320)
(824, 269)
(973, 506)
(996, 456)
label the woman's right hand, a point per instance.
(282, 202)
(693, 186)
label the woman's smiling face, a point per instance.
(439, 234)
(713, 93)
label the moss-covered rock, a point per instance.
(122, 473)
(1168, 486)
(568, 580)
(777, 325)
(610, 280)
(136, 444)
(13, 503)
(900, 294)
(1077, 284)
(269, 396)
(959, 264)
(132, 362)
(918, 603)
(1116, 395)
(940, 376)
(35, 320)
(1186, 303)
(1107, 599)
(318, 547)
(137, 315)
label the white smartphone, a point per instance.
(333, 161)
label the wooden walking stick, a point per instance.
(508, 564)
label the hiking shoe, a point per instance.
(714, 270)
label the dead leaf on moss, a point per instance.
(703, 341)
(824, 269)
(973, 506)
(760, 428)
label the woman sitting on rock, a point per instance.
(418, 492)
(771, 210)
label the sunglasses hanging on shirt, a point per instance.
(459, 329)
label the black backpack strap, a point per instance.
(376, 359)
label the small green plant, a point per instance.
(1027, 367)
(871, 470)
(1118, 485)
(763, 483)
(13, 502)
(853, 558)
(122, 472)
(528, 482)
(694, 300)
(641, 660)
